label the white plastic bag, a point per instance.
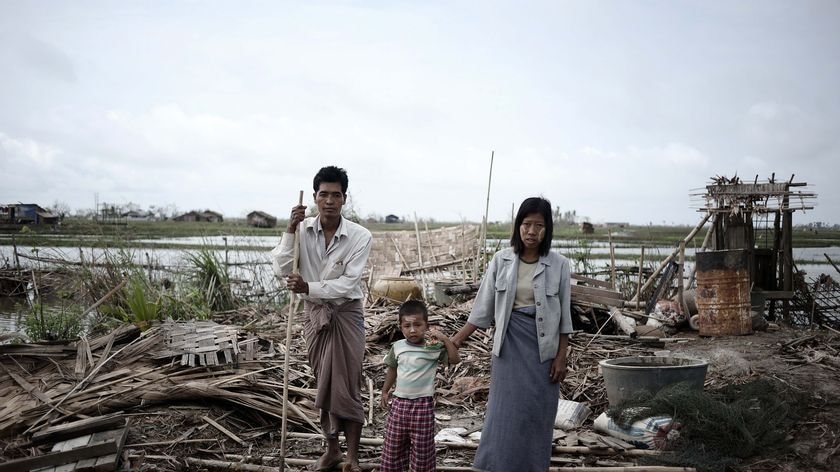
(570, 414)
(655, 432)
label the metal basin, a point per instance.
(624, 377)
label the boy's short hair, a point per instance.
(413, 307)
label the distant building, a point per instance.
(392, 219)
(212, 216)
(261, 219)
(188, 216)
(206, 215)
(26, 214)
(616, 224)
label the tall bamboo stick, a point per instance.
(612, 262)
(289, 342)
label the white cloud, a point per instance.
(784, 131)
(24, 151)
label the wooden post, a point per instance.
(15, 252)
(295, 259)
(787, 245)
(639, 283)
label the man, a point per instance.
(333, 254)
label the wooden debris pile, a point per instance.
(127, 369)
(817, 302)
(811, 349)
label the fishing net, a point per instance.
(718, 428)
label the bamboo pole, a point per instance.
(680, 275)
(482, 240)
(429, 240)
(222, 465)
(446, 468)
(703, 247)
(104, 297)
(668, 259)
(474, 445)
(612, 262)
(832, 263)
(420, 257)
(289, 342)
(639, 283)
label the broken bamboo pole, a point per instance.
(832, 263)
(668, 259)
(703, 247)
(289, 343)
(104, 297)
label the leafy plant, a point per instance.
(43, 324)
(140, 307)
(212, 279)
(582, 257)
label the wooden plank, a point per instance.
(598, 300)
(59, 457)
(778, 294)
(106, 463)
(590, 281)
(224, 431)
(598, 292)
(76, 428)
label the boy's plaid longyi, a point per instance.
(414, 420)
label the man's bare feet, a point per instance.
(351, 467)
(328, 461)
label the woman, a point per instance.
(525, 293)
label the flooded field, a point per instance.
(247, 258)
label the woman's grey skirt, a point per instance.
(522, 404)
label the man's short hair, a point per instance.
(413, 307)
(331, 174)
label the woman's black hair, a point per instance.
(331, 174)
(533, 205)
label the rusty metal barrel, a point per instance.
(723, 293)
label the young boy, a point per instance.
(410, 429)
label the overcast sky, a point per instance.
(615, 109)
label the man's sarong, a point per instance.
(335, 343)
